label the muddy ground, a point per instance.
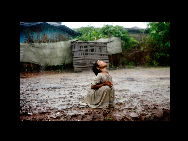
(142, 94)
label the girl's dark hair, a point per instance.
(95, 70)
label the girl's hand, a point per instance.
(109, 83)
(106, 83)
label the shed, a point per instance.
(86, 52)
(45, 32)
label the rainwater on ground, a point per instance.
(142, 94)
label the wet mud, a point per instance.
(142, 94)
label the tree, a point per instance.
(118, 31)
(160, 37)
(90, 33)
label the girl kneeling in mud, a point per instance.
(102, 92)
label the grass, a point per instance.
(134, 111)
(108, 119)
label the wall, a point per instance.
(46, 54)
(57, 53)
(112, 47)
(139, 36)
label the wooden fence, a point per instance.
(86, 53)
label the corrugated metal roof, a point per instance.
(62, 27)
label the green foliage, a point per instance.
(154, 63)
(62, 66)
(112, 66)
(130, 65)
(107, 30)
(58, 70)
(157, 41)
(114, 31)
(119, 31)
(125, 62)
(160, 37)
(108, 119)
(90, 33)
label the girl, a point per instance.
(102, 92)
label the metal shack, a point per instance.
(45, 32)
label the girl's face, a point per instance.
(101, 64)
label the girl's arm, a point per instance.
(108, 83)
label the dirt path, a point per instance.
(141, 94)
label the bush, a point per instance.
(160, 40)
(90, 33)
(130, 65)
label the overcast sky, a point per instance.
(101, 24)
